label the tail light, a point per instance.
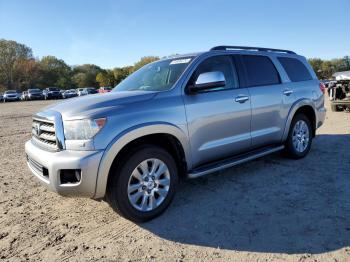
(322, 87)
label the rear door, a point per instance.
(267, 99)
(218, 119)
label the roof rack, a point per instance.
(228, 47)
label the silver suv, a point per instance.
(185, 116)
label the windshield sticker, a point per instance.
(180, 61)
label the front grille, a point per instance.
(44, 133)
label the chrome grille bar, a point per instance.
(44, 133)
(35, 165)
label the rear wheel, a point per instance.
(144, 185)
(299, 139)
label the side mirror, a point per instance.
(208, 80)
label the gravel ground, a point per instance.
(271, 209)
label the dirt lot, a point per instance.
(269, 209)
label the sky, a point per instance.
(111, 33)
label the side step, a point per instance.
(233, 161)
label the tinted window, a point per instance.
(260, 70)
(218, 63)
(33, 91)
(295, 69)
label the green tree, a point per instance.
(85, 75)
(120, 73)
(144, 61)
(79, 79)
(326, 68)
(316, 64)
(28, 73)
(12, 54)
(106, 78)
(54, 72)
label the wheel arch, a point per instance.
(306, 107)
(165, 135)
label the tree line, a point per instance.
(20, 70)
(326, 68)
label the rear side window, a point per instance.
(295, 69)
(260, 70)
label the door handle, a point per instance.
(287, 92)
(241, 99)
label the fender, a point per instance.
(298, 104)
(126, 137)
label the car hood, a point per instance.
(98, 105)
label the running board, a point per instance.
(227, 163)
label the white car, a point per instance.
(80, 91)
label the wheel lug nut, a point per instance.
(153, 177)
(146, 179)
(143, 187)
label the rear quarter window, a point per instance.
(260, 70)
(295, 69)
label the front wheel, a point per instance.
(143, 186)
(299, 139)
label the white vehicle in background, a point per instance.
(80, 91)
(24, 96)
(70, 93)
(89, 91)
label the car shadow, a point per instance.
(273, 204)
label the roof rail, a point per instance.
(228, 47)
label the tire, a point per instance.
(302, 141)
(122, 180)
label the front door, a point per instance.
(218, 119)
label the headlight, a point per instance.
(83, 129)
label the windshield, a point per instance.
(11, 92)
(32, 91)
(158, 76)
(53, 89)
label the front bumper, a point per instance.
(54, 95)
(35, 97)
(11, 98)
(53, 162)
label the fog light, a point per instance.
(45, 172)
(69, 176)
